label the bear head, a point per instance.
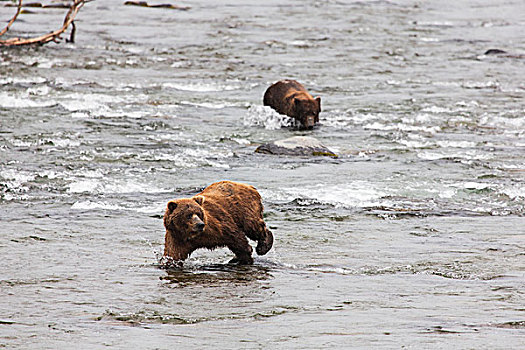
(307, 109)
(184, 218)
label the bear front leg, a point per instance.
(241, 248)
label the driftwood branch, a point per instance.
(18, 9)
(53, 36)
(72, 34)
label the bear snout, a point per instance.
(197, 224)
(309, 122)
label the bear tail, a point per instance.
(266, 243)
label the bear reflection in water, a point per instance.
(224, 214)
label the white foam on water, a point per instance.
(515, 193)
(62, 143)
(421, 118)
(47, 63)
(517, 166)
(473, 185)
(11, 197)
(203, 87)
(93, 174)
(168, 136)
(21, 143)
(276, 195)
(152, 209)
(83, 186)
(415, 143)
(354, 194)
(190, 158)
(19, 80)
(431, 155)
(480, 84)
(97, 103)
(499, 122)
(97, 186)
(417, 190)
(217, 164)
(456, 144)
(401, 127)
(30, 60)
(342, 120)
(130, 114)
(467, 155)
(394, 82)
(101, 205)
(429, 40)
(22, 100)
(446, 83)
(265, 116)
(447, 193)
(79, 115)
(362, 118)
(89, 205)
(331, 269)
(467, 104)
(15, 181)
(469, 84)
(50, 174)
(435, 23)
(17, 177)
(209, 105)
(300, 43)
(39, 91)
(436, 109)
(68, 83)
(78, 105)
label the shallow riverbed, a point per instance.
(414, 237)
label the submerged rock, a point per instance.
(166, 6)
(296, 146)
(503, 53)
(494, 52)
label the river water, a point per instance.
(413, 238)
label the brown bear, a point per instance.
(224, 214)
(291, 98)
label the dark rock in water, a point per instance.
(502, 53)
(166, 6)
(494, 52)
(296, 146)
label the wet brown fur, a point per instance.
(231, 212)
(289, 97)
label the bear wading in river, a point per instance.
(291, 98)
(224, 214)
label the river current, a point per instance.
(414, 237)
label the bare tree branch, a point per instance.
(18, 9)
(72, 34)
(53, 36)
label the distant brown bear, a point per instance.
(291, 98)
(223, 215)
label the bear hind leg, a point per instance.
(263, 236)
(265, 243)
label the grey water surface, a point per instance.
(414, 237)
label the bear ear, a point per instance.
(172, 206)
(199, 199)
(318, 99)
